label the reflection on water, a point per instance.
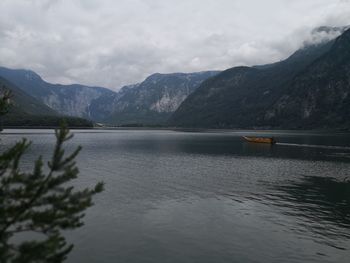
(318, 204)
(331, 197)
(209, 197)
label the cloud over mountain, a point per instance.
(113, 43)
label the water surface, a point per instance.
(209, 197)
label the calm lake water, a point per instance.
(209, 197)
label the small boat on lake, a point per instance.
(269, 140)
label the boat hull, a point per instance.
(260, 140)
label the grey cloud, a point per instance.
(117, 42)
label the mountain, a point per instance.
(28, 111)
(23, 103)
(70, 100)
(310, 89)
(152, 101)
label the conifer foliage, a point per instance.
(36, 206)
(4, 101)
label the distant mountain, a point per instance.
(28, 111)
(71, 100)
(23, 103)
(152, 101)
(310, 89)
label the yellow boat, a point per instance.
(260, 139)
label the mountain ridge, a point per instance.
(25, 110)
(71, 100)
(153, 100)
(150, 102)
(243, 97)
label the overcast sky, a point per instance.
(116, 42)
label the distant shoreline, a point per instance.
(44, 127)
(199, 130)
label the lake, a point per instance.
(175, 196)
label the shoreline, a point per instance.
(194, 130)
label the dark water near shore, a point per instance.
(209, 197)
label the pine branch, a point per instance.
(40, 203)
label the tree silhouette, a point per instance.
(36, 206)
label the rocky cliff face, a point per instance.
(153, 100)
(310, 89)
(74, 100)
